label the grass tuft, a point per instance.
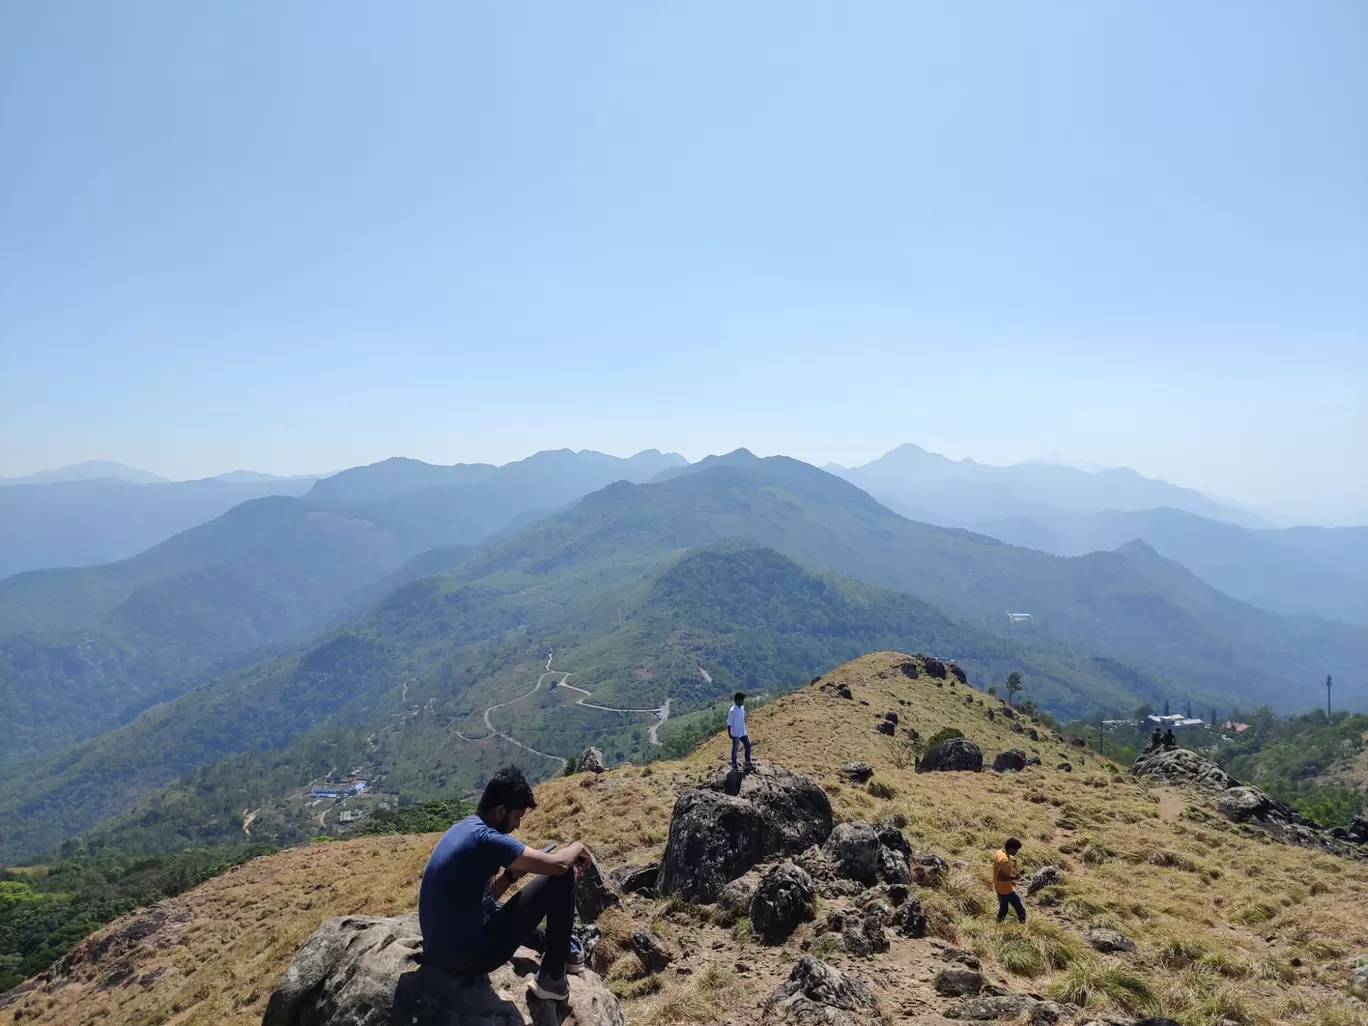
(1092, 983)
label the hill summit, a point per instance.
(1145, 900)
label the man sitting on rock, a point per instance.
(1004, 881)
(1156, 741)
(1169, 740)
(465, 929)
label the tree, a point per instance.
(1166, 708)
(1013, 685)
(1328, 682)
(1213, 718)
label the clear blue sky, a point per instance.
(295, 237)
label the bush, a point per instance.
(942, 734)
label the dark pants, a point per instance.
(1013, 901)
(515, 925)
(736, 742)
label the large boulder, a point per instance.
(951, 754)
(853, 849)
(1011, 761)
(731, 822)
(1110, 942)
(1241, 804)
(958, 981)
(636, 879)
(368, 971)
(1006, 1006)
(856, 772)
(590, 761)
(784, 899)
(818, 994)
(1179, 766)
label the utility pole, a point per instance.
(1328, 682)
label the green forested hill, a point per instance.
(388, 694)
(1130, 605)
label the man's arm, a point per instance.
(542, 863)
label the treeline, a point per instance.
(1291, 757)
(45, 911)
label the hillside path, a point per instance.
(661, 714)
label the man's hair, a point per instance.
(739, 697)
(508, 788)
(1012, 844)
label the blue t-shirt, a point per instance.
(452, 906)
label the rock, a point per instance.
(1011, 761)
(966, 958)
(1045, 876)
(594, 892)
(591, 761)
(1358, 978)
(928, 869)
(368, 971)
(784, 899)
(1008, 712)
(892, 718)
(1017, 728)
(891, 837)
(1239, 804)
(952, 754)
(1179, 766)
(968, 699)
(958, 981)
(909, 920)
(1109, 941)
(893, 866)
(818, 994)
(1064, 767)
(1032, 733)
(636, 879)
(1078, 742)
(958, 673)
(735, 899)
(716, 836)
(1006, 1006)
(990, 714)
(867, 938)
(910, 670)
(853, 849)
(934, 668)
(856, 772)
(648, 946)
(887, 728)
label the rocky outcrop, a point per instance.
(1045, 876)
(856, 772)
(818, 994)
(731, 822)
(591, 761)
(952, 754)
(1011, 761)
(1179, 766)
(958, 981)
(853, 849)
(1007, 1006)
(636, 879)
(1110, 942)
(784, 899)
(650, 950)
(594, 892)
(368, 971)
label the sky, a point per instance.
(298, 237)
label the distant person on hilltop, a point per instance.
(1156, 740)
(1004, 881)
(465, 928)
(736, 727)
(1169, 740)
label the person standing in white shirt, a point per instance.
(736, 727)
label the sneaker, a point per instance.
(557, 989)
(575, 961)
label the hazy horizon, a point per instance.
(246, 237)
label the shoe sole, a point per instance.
(551, 995)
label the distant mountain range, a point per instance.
(927, 486)
(1069, 512)
(90, 470)
(286, 635)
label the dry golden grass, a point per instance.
(1199, 898)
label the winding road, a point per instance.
(661, 714)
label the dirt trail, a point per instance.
(247, 816)
(661, 714)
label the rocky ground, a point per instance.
(835, 885)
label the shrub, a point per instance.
(943, 734)
(1091, 982)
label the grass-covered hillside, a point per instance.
(1228, 924)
